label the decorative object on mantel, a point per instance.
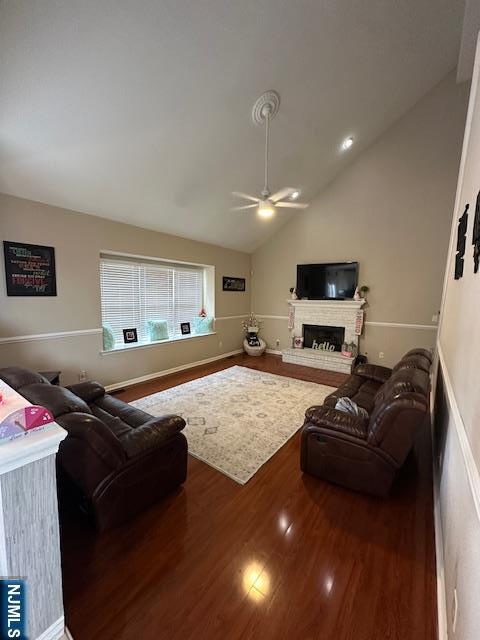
(363, 291)
(356, 295)
(359, 322)
(461, 240)
(29, 269)
(291, 317)
(476, 236)
(293, 293)
(252, 343)
(233, 284)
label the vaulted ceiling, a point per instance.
(139, 111)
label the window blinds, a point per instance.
(133, 292)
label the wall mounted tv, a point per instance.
(334, 281)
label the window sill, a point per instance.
(146, 345)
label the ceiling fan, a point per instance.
(264, 110)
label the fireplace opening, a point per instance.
(323, 337)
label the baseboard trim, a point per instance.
(275, 352)
(55, 631)
(166, 372)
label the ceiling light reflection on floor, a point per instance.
(256, 582)
(328, 584)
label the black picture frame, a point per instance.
(130, 335)
(185, 328)
(29, 269)
(233, 284)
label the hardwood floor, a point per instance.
(284, 556)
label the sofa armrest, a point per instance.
(154, 433)
(90, 453)
(335, 420)
(88, 391)
(95, 435)
(373, 372)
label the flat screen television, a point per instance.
(334, 281)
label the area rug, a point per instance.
(238, 418)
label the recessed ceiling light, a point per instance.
(294, 195)
(347, 143)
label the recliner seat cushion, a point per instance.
(359, 389)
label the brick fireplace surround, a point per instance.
(333, 313)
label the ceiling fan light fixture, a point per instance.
(266, 209)
(347, 143)
(295, 195)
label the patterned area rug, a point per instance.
(238, 418)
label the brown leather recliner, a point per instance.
(120, 459)
(364, 454)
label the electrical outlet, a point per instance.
(435, 318)
(277, 342)
(82, 376)
(381, 355)
(454, 610)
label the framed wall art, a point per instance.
(29, 269)
(233, 284)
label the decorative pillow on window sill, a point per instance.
(157, 330)
(108, 338)
(202, 325)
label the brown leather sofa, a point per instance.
(120, 459)
(365, 454)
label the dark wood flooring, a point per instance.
(284, 556)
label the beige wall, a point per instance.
(457, 406)
(390, 210)
(78, 240)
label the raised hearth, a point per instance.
(331, 316)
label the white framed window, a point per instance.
(135, 291)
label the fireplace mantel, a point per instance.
(328, 304)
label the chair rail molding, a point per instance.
(50, 336)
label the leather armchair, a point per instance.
(365, 454)
(119, 459)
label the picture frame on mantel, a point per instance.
(29, 269)
(233, 284)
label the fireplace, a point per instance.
(323, 337)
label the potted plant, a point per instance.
(364, 290)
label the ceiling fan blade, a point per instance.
(292, 205)
(239, 194)
(283, 193)
(244, 206)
